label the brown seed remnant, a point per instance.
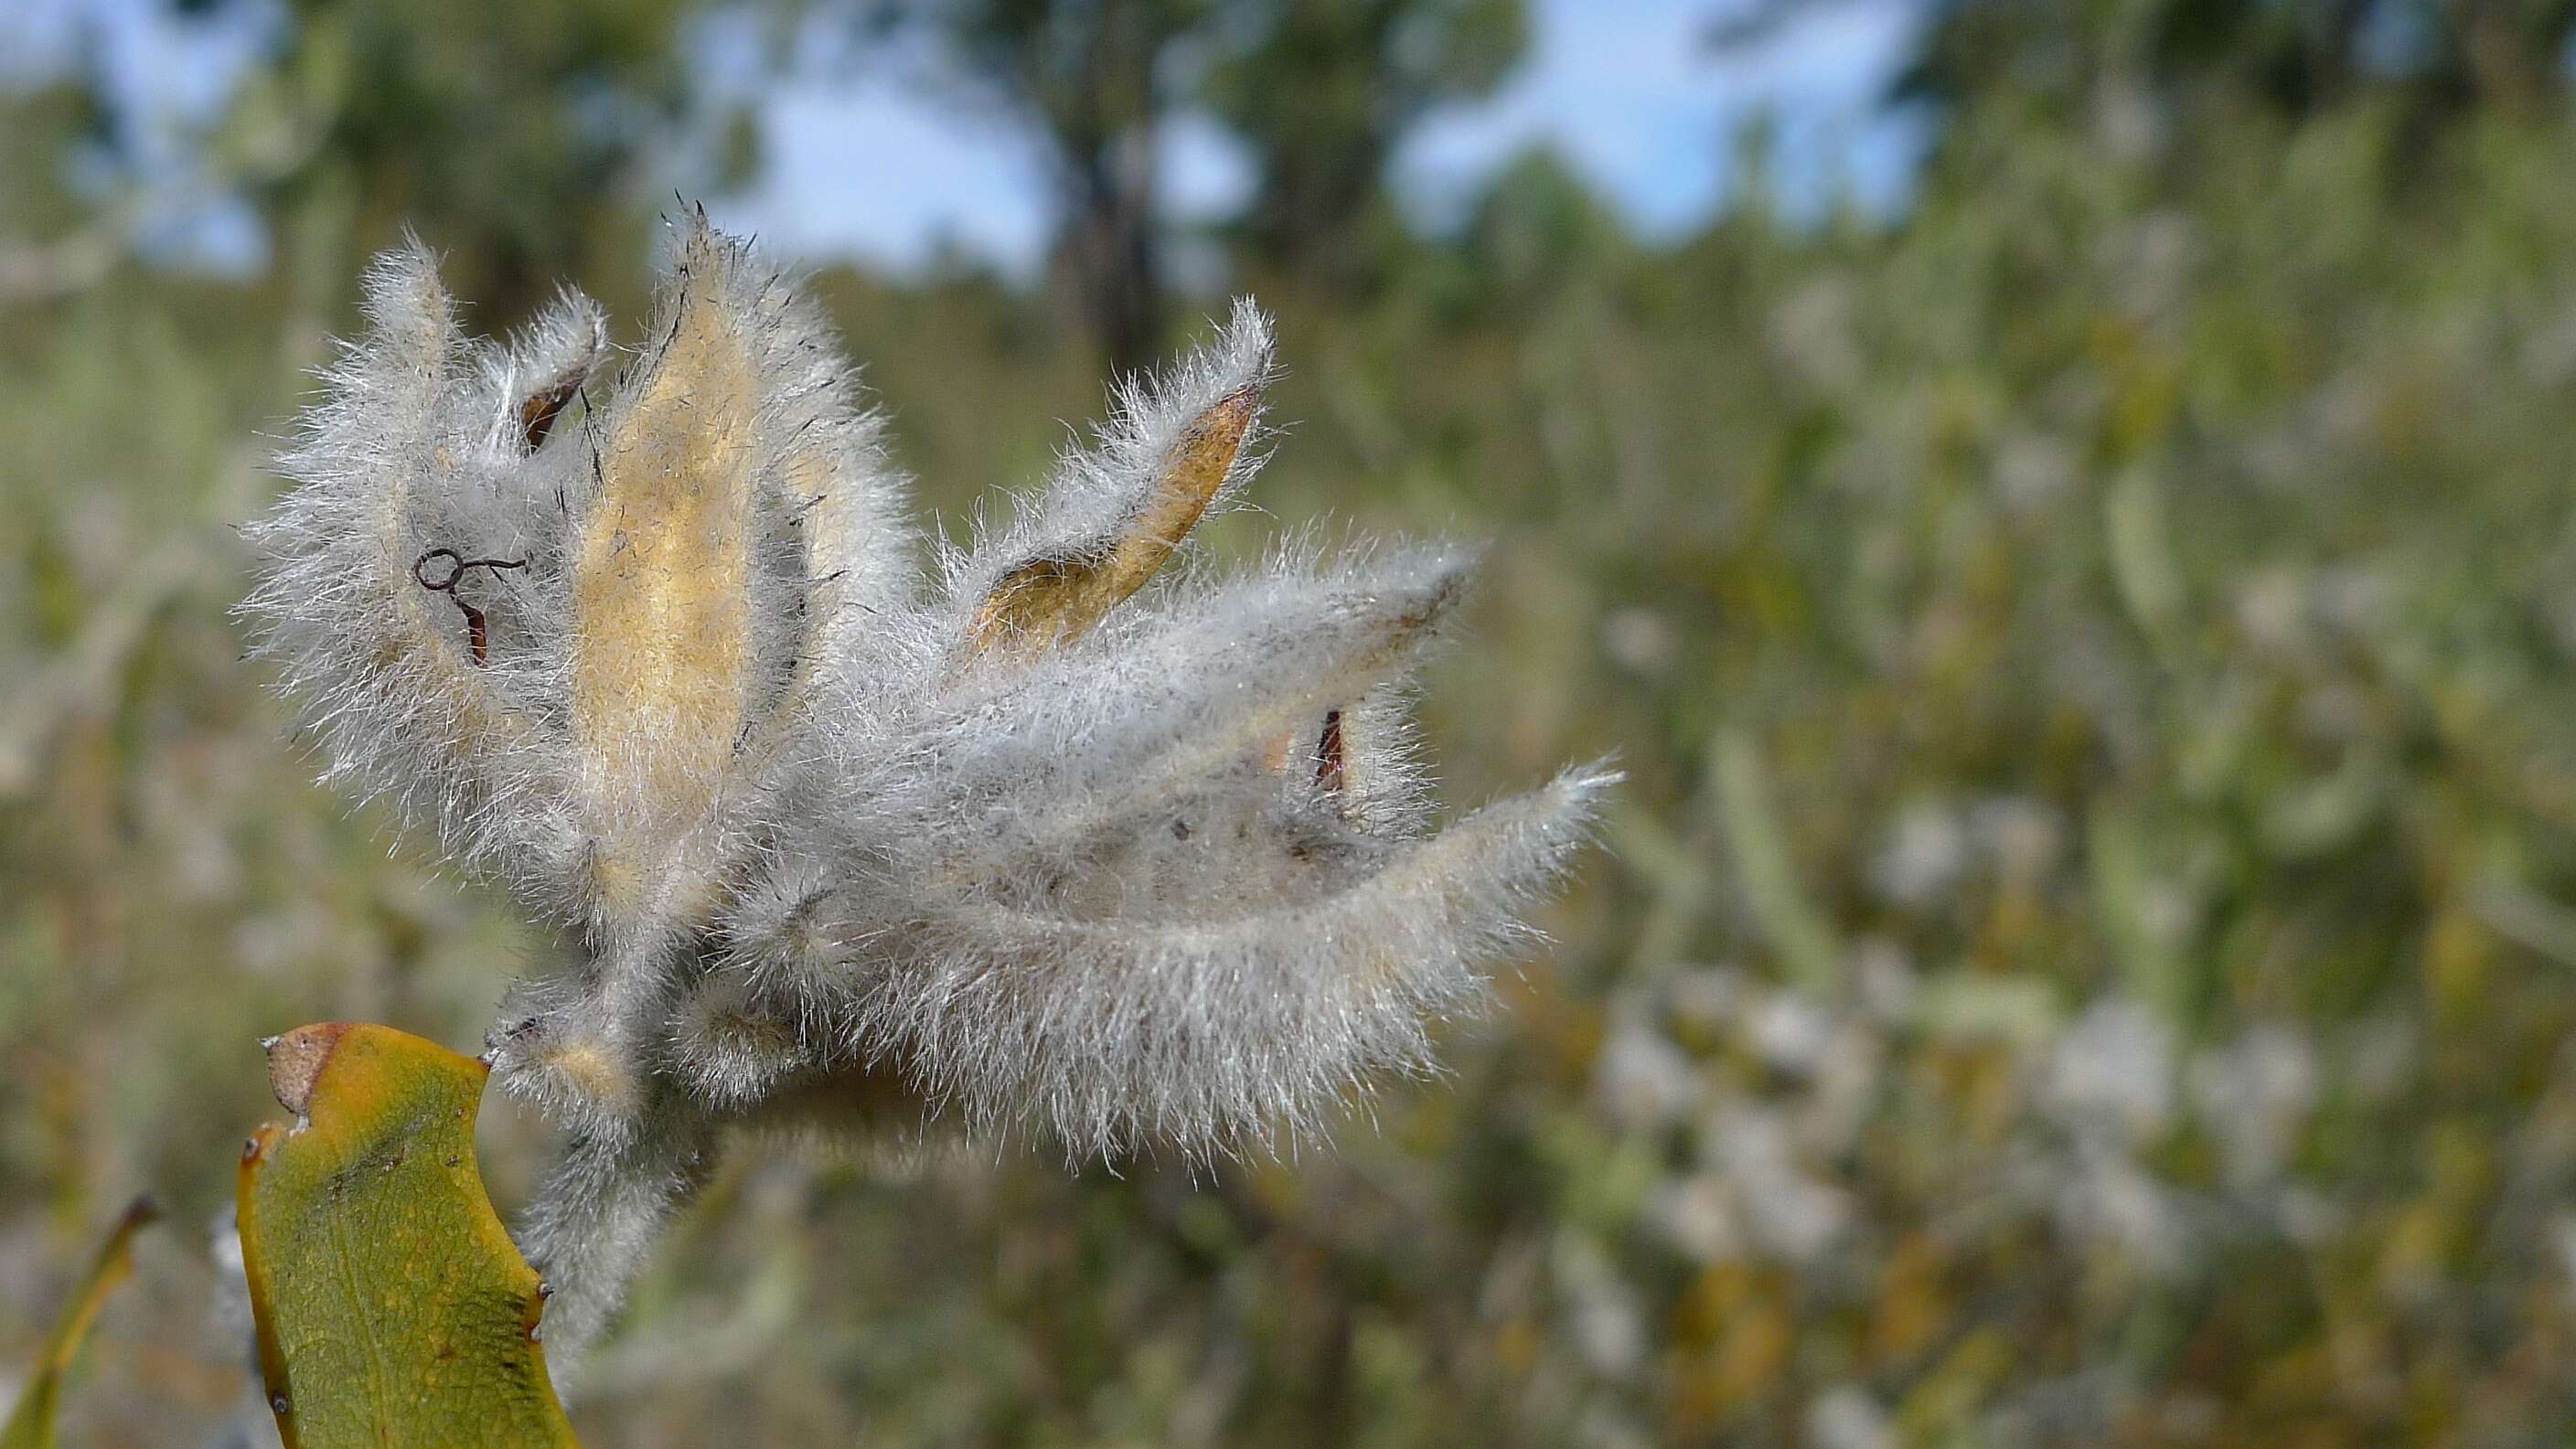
(1328, 753)
(538, 411)
(581, 348)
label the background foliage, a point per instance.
(2087, 954)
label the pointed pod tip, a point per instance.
(1593, 779)
(1208, 444)
(1422, 587)
(1238, 403)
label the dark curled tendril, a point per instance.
(475, 631)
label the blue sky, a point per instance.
(862, 164)
(865, 162)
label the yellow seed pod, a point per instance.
(662, 644)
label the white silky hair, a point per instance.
(1047, 840)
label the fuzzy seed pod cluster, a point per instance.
(1047, 838)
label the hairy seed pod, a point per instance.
(1053, 839)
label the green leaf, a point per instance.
(392, 1308)
(32, 1425)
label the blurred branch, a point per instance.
(1788, 921)
(700, 1349)
(2526, 917)
(1756, 23)
(37, 271)
(40, 271)
(81, 679)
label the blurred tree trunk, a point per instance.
(1090, 77)
(1319, 90)
(2509, 54)
(1325, 89)
(1110, 248)
(1094, 88)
